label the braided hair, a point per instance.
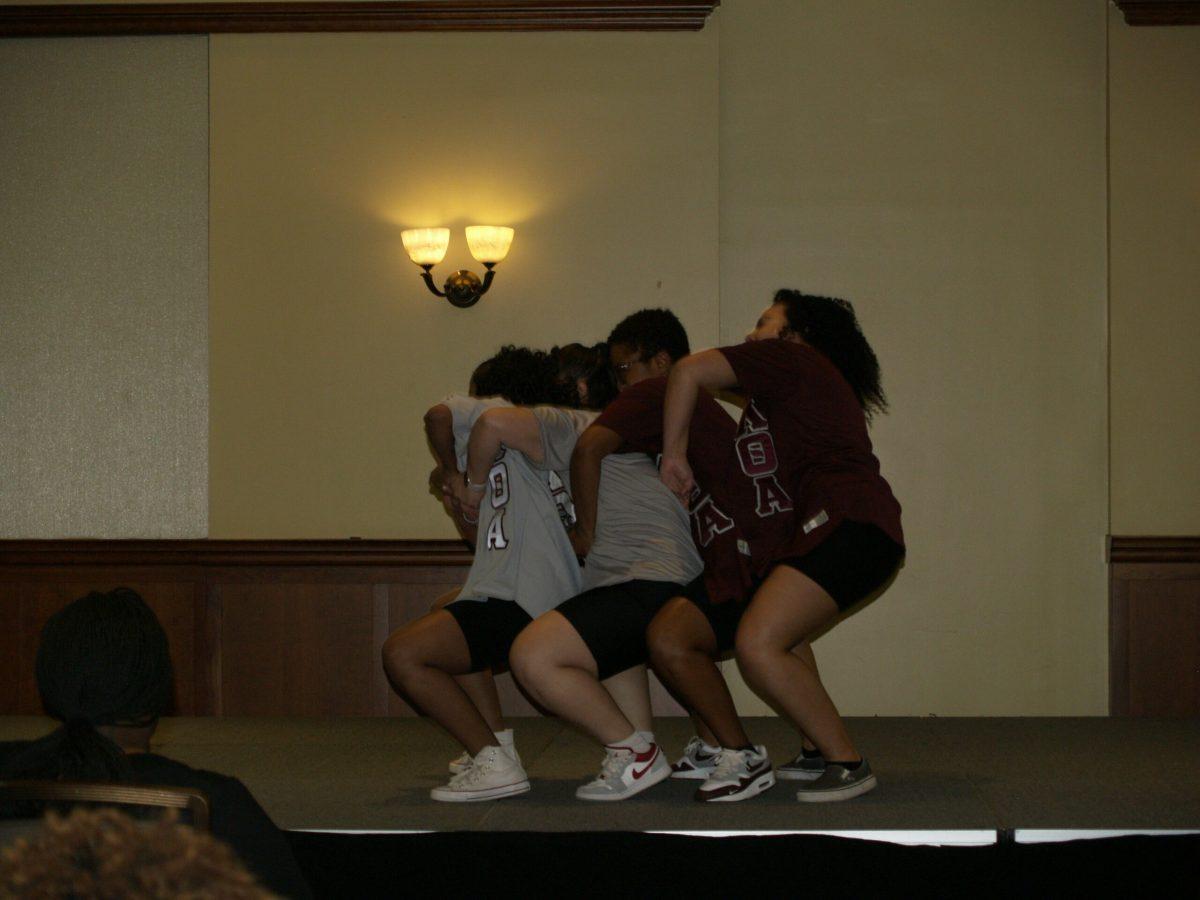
(103, 660)
(829, 324)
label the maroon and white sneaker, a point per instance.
(738, 775)
(697, 762)
(624, 773)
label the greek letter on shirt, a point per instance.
(498, 481)
(756, 455)
(562, 499)
(708, 520)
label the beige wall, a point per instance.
(601, 150)
(942, 165)
(1154, 105)
(103, 288)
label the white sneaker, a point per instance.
(491, 775)
(738, 775)
(697, 762)
(625, 773)
(462, 762)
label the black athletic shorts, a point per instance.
(612, 621)
(490, 627)
(723, 618)
(854, 562)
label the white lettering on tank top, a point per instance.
(562, 499)
(498, 481)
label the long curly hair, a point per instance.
(575, 362)
(829, 324)
(520, 375)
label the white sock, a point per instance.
(706, 746)
(648, 736)
(634, 742)
(505, 737)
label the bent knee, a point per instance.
(405, 652)
(667, 648)
(526, 657)
(753, 647)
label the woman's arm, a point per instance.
(439, 429)
(511, 427)
(593, 445)
(710, 370)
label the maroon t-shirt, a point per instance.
(637, 417)
(803, 445)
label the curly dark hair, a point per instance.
(520, 375)
(575, 361)
(651, 331)
(829, 324)
(104, 853)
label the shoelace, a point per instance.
(728, 762)
(461, 776)
(475, 771)
(613, 764)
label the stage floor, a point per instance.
(941, 780)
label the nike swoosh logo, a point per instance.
(637, 774)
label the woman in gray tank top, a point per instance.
(518, 503)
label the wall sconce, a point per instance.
(489, 245)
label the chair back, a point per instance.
(75, 793)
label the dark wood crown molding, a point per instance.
(1153, 549)
(451, 15)
(234, 553)
(1160, 12)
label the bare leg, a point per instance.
(704, 732)
(803, 651)
(683, 649)
(786, 610)
(554, 665)
(479, 686)
(631, 692)
(421, 660)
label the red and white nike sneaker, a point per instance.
(625, 773)
(738, 775)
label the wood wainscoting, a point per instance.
(257, 628)
(1154, 626)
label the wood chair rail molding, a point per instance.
(1154, 549)
(216, 553)
(46, 20)
(1160, 12)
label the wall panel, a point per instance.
(256, 628)
(104, 287)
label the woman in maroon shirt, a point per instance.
(828, 527)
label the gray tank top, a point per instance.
(642, 530)
(522, 552)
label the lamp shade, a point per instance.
(489, 243)
(426, 246)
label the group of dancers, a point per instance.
(621, 518)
